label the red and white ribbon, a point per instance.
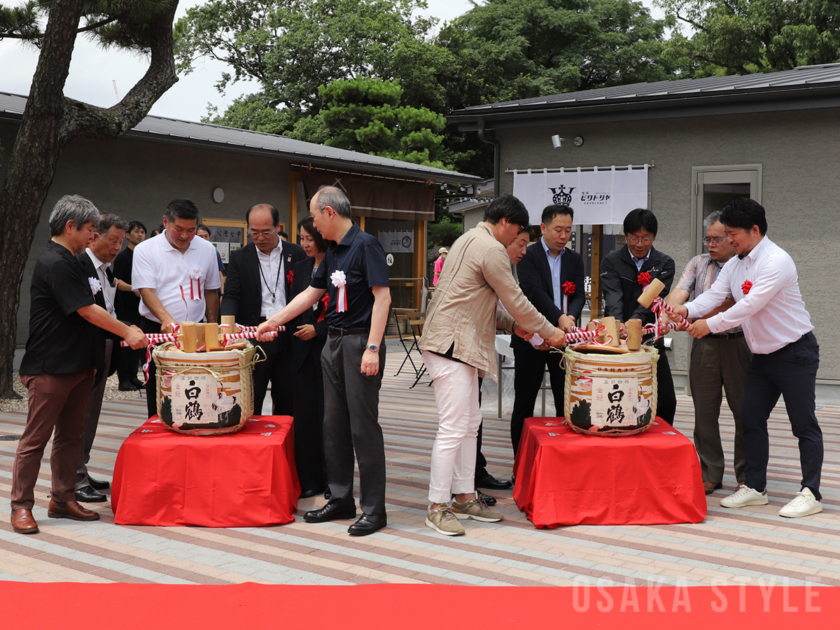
(195, 283)
(339, 280)
(156, 338)
(580, 335)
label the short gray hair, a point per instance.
(72, 208)
(109, 220)
(714, 217)
(335, 199)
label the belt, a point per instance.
(335, 331)
(735, 335)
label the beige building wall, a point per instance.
(136, 180)
(800, 157)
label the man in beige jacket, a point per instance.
(458, 346)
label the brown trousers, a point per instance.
(55, 401)
(718, 364)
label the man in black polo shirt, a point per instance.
(62, 355)
(355, 275)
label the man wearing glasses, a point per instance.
(624, 275)
(258, 284)
(719, 361)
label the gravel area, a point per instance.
(112, 392)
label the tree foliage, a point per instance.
(292, 47)
(512, 49)
(367, 115)
(50, 120)
(749, 36)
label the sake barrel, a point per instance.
(610, 395)
(204, 393)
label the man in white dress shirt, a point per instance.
(178, 279)
(95, 261)
(259, 282)
(768, 305)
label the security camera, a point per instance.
(557, 141)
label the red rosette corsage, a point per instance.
(568, 288)
(290, 276)
(644, 278)
(746, 287)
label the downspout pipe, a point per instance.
(497, 156)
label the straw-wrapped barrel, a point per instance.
(204, 393)
(610, 394)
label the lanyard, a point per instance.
(276, 279)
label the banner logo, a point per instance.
(562, 197)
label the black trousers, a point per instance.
(128, 362)
(529, 367)
(666, 406)
(150, 326)
(351, 422)
(309, 424)
(792, 373)
(277, 370)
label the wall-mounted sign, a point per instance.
(397, 241)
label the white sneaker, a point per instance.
(803, 504)
(743, 497)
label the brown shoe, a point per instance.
(710, 487)
(71, 510)
(24, 522)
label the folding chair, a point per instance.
(416, 326)
(402, 319)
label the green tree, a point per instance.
(292, 47)
(748, 36)
(513, 49)
(367, 115)
(51, 120)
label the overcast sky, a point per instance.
(93, 72)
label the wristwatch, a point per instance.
(373, 347)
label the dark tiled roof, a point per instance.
(198, 134)
(799, 79)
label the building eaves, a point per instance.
(802, 88)
(205, 135)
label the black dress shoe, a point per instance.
(140, 384)
(327, 494)
(98, 485)
(305, 494)
(489, 482)
(368, 524)
(89, 495)
(487, 498)
(332, 511)
(128, 386)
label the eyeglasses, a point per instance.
(256, 233)
(647, 240)
(714, 239)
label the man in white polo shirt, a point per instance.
(178, 279)
(768, 305)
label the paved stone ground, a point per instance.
(730, 546)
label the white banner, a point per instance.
(397, 241)
(598, 197)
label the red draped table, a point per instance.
(245, 479)
(564, 478)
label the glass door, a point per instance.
(714, 188)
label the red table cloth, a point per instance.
(244, 479)
(564, 478)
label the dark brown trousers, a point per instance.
(56, 401)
